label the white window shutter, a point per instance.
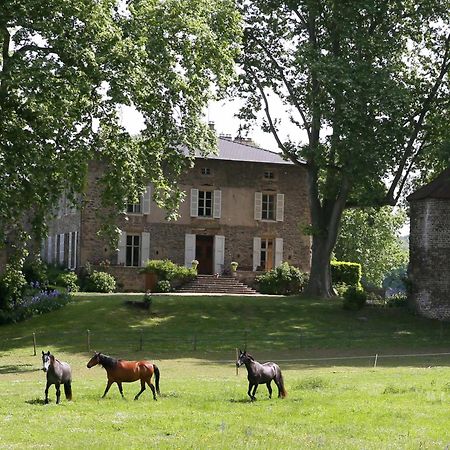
(69, 251)
(75, 250)
(278, 251)
(258, 206)
(122, 248)
(189, 249)
(55, 248)
(280, 207)
(61, 249)
(146, 199)
(49, 249)
(145, 248)
(219, 253)
(194, 202)
(256, 252)
(217, 204)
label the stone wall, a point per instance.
(429, 266)
(128, 278)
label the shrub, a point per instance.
(163, 286)
(397, 300)
(166, 270)
(35, 270)
(12, 286)
(346, 272)
(283, 280)
(100, 282)
(340, 288)
(53, 272)
(354, 299)
(69, 280)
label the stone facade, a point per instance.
(232, 233)
(429, 242)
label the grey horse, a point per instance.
(58, 372)
(261, 374)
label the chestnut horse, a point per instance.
(121, 371)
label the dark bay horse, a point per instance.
(58, 372)
(261, 374)
(120, 371)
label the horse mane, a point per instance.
(107, 361)
(250, 357)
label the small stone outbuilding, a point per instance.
(429, 245)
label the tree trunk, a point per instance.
(319, 284)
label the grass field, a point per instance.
(335, 403)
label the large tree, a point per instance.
(366, 84)
(371, 237)
(66, 70)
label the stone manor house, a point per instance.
(245, 204)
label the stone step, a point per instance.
(212, 284)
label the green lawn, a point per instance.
(335, 403)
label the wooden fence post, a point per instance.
(34, 343)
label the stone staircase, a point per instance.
(209, 284)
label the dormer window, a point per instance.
(206, 171)
(269, 175)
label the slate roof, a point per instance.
(438, 188)
(237, 151)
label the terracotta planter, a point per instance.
(150, 281)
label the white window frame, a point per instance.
(133, 249)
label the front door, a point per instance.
(204, 246)
(267, 254)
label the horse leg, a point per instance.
(58, 392)
(119, 385)
(269, 388)
(250, 385)
(141, 391)
(254, 391)
(46, 392)
(108, 385)
(150, 384)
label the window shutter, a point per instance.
(258, 206)
(256, 252)
(280, 207)
(145, 248)
(55, 248)
(146, 199)
(69, 251)
(189, 249)
(217, 204)
(122, 248)
(194, 203)
(61, 249)
(75, 250)
(278, 251)
(219, 253)
(49, 249)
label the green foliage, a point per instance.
(354, 299)
(397, 300)
(348, 273)
(12, 285)
(371, 237)
(35, 270)
(67, 64)
(167, 270)
(53, 272)
(163, 286)
(99, 282)
(283, 280)
(69, 280)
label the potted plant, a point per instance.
(194, 264)
(234, 266)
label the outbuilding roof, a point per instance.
(240, 151)
(438, 188)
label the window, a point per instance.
(268, 207)
(133, 250)
(134, 208)
(267, 254)
(205, 203)
(269, 175)
(206, 171)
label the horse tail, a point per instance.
(156, 371)
(281, 389)
(68, 390)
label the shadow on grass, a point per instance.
(37, 401)
(209, 328)
(18, 368)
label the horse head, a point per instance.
(94, 360)
(47, 360)
(243, 358)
